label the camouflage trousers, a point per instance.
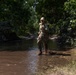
(42, 40)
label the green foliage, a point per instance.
(67, 25)
(70, 8)
(18, 12)
(51, 9)
(24, 17)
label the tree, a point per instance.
(51, 9)
(67, 25)
(70, 8)
(18, 12)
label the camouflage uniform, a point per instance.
(43, 36)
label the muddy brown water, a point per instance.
(21, 58)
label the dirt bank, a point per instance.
(60, 63)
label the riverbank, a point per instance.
(62, 63)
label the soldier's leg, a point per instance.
(46, 46)
(40, 47)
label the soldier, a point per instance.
(43, 36)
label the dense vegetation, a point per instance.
(24, 14)
(19, 13)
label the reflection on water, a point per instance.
(24, 45)
(18, 45)
(21, 58)
(52, 45)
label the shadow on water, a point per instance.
(53, 45)
(58, 50)
(30, 44)
(18, 45)
(59, 54)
